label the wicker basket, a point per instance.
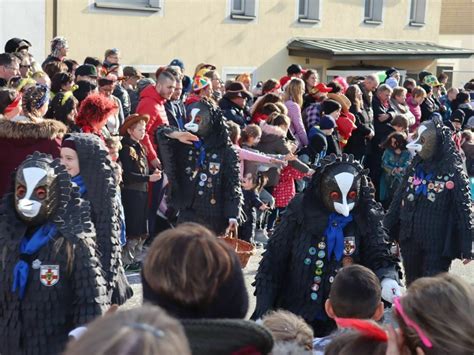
(243, 249)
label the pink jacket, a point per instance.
(297, 126)
(245, 154)
(285, 190)
(416, 111)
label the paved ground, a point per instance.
(465, 271)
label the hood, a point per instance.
(46, 129)
(270, 129)
(151, 93)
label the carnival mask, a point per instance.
(426, 142)
(33, 194)
(340, 186)
(199, 120)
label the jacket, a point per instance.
(135, 167)
(234, 112)
(415, 109)
(176, 113)
(428, 107)
(20, 139)
(152, 104)
(273, 141)
(357, 144)
(403, 110)
(296, 126)
(122, 94)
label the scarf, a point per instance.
(199, 145)
(335, 235)
(79, 181)
(420, 176)
(29, 247)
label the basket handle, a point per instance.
(232, 232)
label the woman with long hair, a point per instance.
(293, 99)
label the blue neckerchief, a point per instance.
(80, 182)
(202, 153)
(335, 235)
(423, 187)
(29, 247)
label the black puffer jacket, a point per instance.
(234, 112)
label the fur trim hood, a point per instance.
(270, 129)
(45, 129)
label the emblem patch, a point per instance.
(49, 274)
(214, 168)
(349, 245)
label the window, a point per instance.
(308, 11)
(373, 12)
(243, 9)
(140, 5)
(417, 13)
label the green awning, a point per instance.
(356, 49)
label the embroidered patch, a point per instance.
(349, 245)
(49, 274)
(214, 168)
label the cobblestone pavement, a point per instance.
(465, 271)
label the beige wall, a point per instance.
(463, 68)
(201, 31)
(457, 17)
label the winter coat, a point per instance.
(367, 101)
(403, 110)
(251, 203)
(135, 186)
(234, 112)
(286, 274)
(285, 190)
(357, 144)
(297, 126)
(176, 112)
(122, 94)
(273, 142)
(152, 104)
(20, 139)
(428, 107)
(317, 144)
(415, 109)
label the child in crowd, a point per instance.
(395, 160)
(400, 124)
(355, 293)
(252, 185)
(435, 317)
(292, 335)
(136, 177)
(147, 330)
(418, 95)
(332, 108)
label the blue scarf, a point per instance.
(335, 235)
(80, 182)
(202, 153)
(422, 175)
(29, 247)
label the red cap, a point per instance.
(321, 87)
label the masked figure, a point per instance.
(430, 214)
(334, 223)
(51, 280)
(96, 179)
(204, 174)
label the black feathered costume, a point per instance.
(298, 266)
(204, 177)
(431, 214)
(102, 192)
(63, 285)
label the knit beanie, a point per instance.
(327, 122)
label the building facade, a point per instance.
(247, 35)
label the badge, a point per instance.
(450, 185)
(317, 279)
(331, 279)
(431, 196)
(188, 170)
(36, 264)
(410, 197)
(214, 156)
(349, 245)
(319, 263)
(321, 254)
(315, 287)
(312, 251)
(322, 245)
(314, 296)
(307, 261)
(318, 272)
(438, 186)
(191, 152)
(214, 168)
(49, 274)
(203, 177)
(213, 201)
(200, 193)
(346, 261)
(201, 183)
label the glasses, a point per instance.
(424, 339)
(25, 66)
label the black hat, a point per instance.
(294, 69)
(86, 70)
(227, 336)
(422, 75)
(237, 89)
(15, 44)
(84, 88)
(390, 72)
(458, 116)
(427, 88)
(177, 63)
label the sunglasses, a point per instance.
(399, 309)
